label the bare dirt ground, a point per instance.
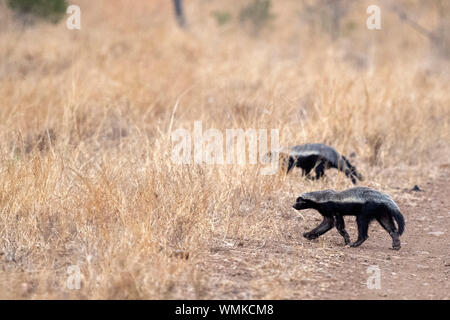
(326, 269)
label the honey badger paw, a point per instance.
(395, 242)
(309, 235)
(354, 244)
(358, 242)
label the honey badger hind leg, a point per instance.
(363, 228)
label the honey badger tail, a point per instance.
(399, 219)
(352, 172)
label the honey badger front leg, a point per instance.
(326, 225)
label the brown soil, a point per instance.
(326, 269)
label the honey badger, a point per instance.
(319, 156)
(364, 203)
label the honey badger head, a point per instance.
(310, 200)
(302, 204)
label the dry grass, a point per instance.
(85, 171)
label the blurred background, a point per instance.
(227, 55)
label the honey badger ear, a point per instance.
(299, 199)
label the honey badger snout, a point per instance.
(300, 204)
(297, 206)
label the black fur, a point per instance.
(320, 156)
(364, 203)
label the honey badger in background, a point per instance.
(364, 203)
(319, 156)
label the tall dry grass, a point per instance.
(85, 171)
